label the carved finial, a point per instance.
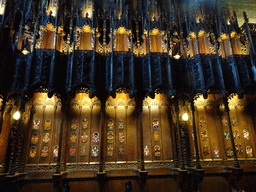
(245, 17)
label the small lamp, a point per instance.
(185, 117)
(16, 115)
(25, 51)
(177, 56)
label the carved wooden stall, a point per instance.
(151, 91)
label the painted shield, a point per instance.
(234, 121)
(74, 124)
(216, 152)
(156, 136)
(110, 124)
(155, 124)
(226, 135)
(95, 150)
(85, 124)
(95, 137)
(146, 151)
(84, 137)
(236, 134)
(157, 151)
(120, 124)
(47, 124)
(204, 136)
(205, 150)
(46, 138)
(246, 134)
(239, 148)
(121, 137)
(72, 151)
(110, 151)
(55, 151)
(249, 152)
(36, 123)
(121, 151)
(224, 121)
(202, 122)
(73, 137)
(230, 152)
(32, 152)
(34, 138)
(44, 152)
(83, 151)
(193, 135)
(110, 137)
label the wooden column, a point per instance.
(2, 113)
(102, 120)
(177, 110)
(139, 109)
(63, 113)
(198, 164)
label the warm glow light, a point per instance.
(16, 115)
(177, 56)
(1, 10)
(53, 13)
(185, 117)
(25, 51)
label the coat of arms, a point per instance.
(110, 151)
(249, 152)
(32, 152)
(239, 148)
(55, 151)
(110, 124)
(121, 151)
(36, 123)
(204, 136)
(156, 136)
(95, 137)
(73, 137)
(216, 152)
(120, 124)
(83, 151)
(236, 134)
(46, 138)
(224, 121)
(72, 151)
(205, 150)
(157, 150)
(146, 151)
(226, 135)
(121, 137)
(34, 138)
(246, 134)
(202, 122)
(85, 124)
(44, 152)
(155, 124)
(110, 137)
(234, 121)
(74, 124)
(95, 150)
(84, 137)
(230, 152)
(47, 124)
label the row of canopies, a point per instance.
(101, 70)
